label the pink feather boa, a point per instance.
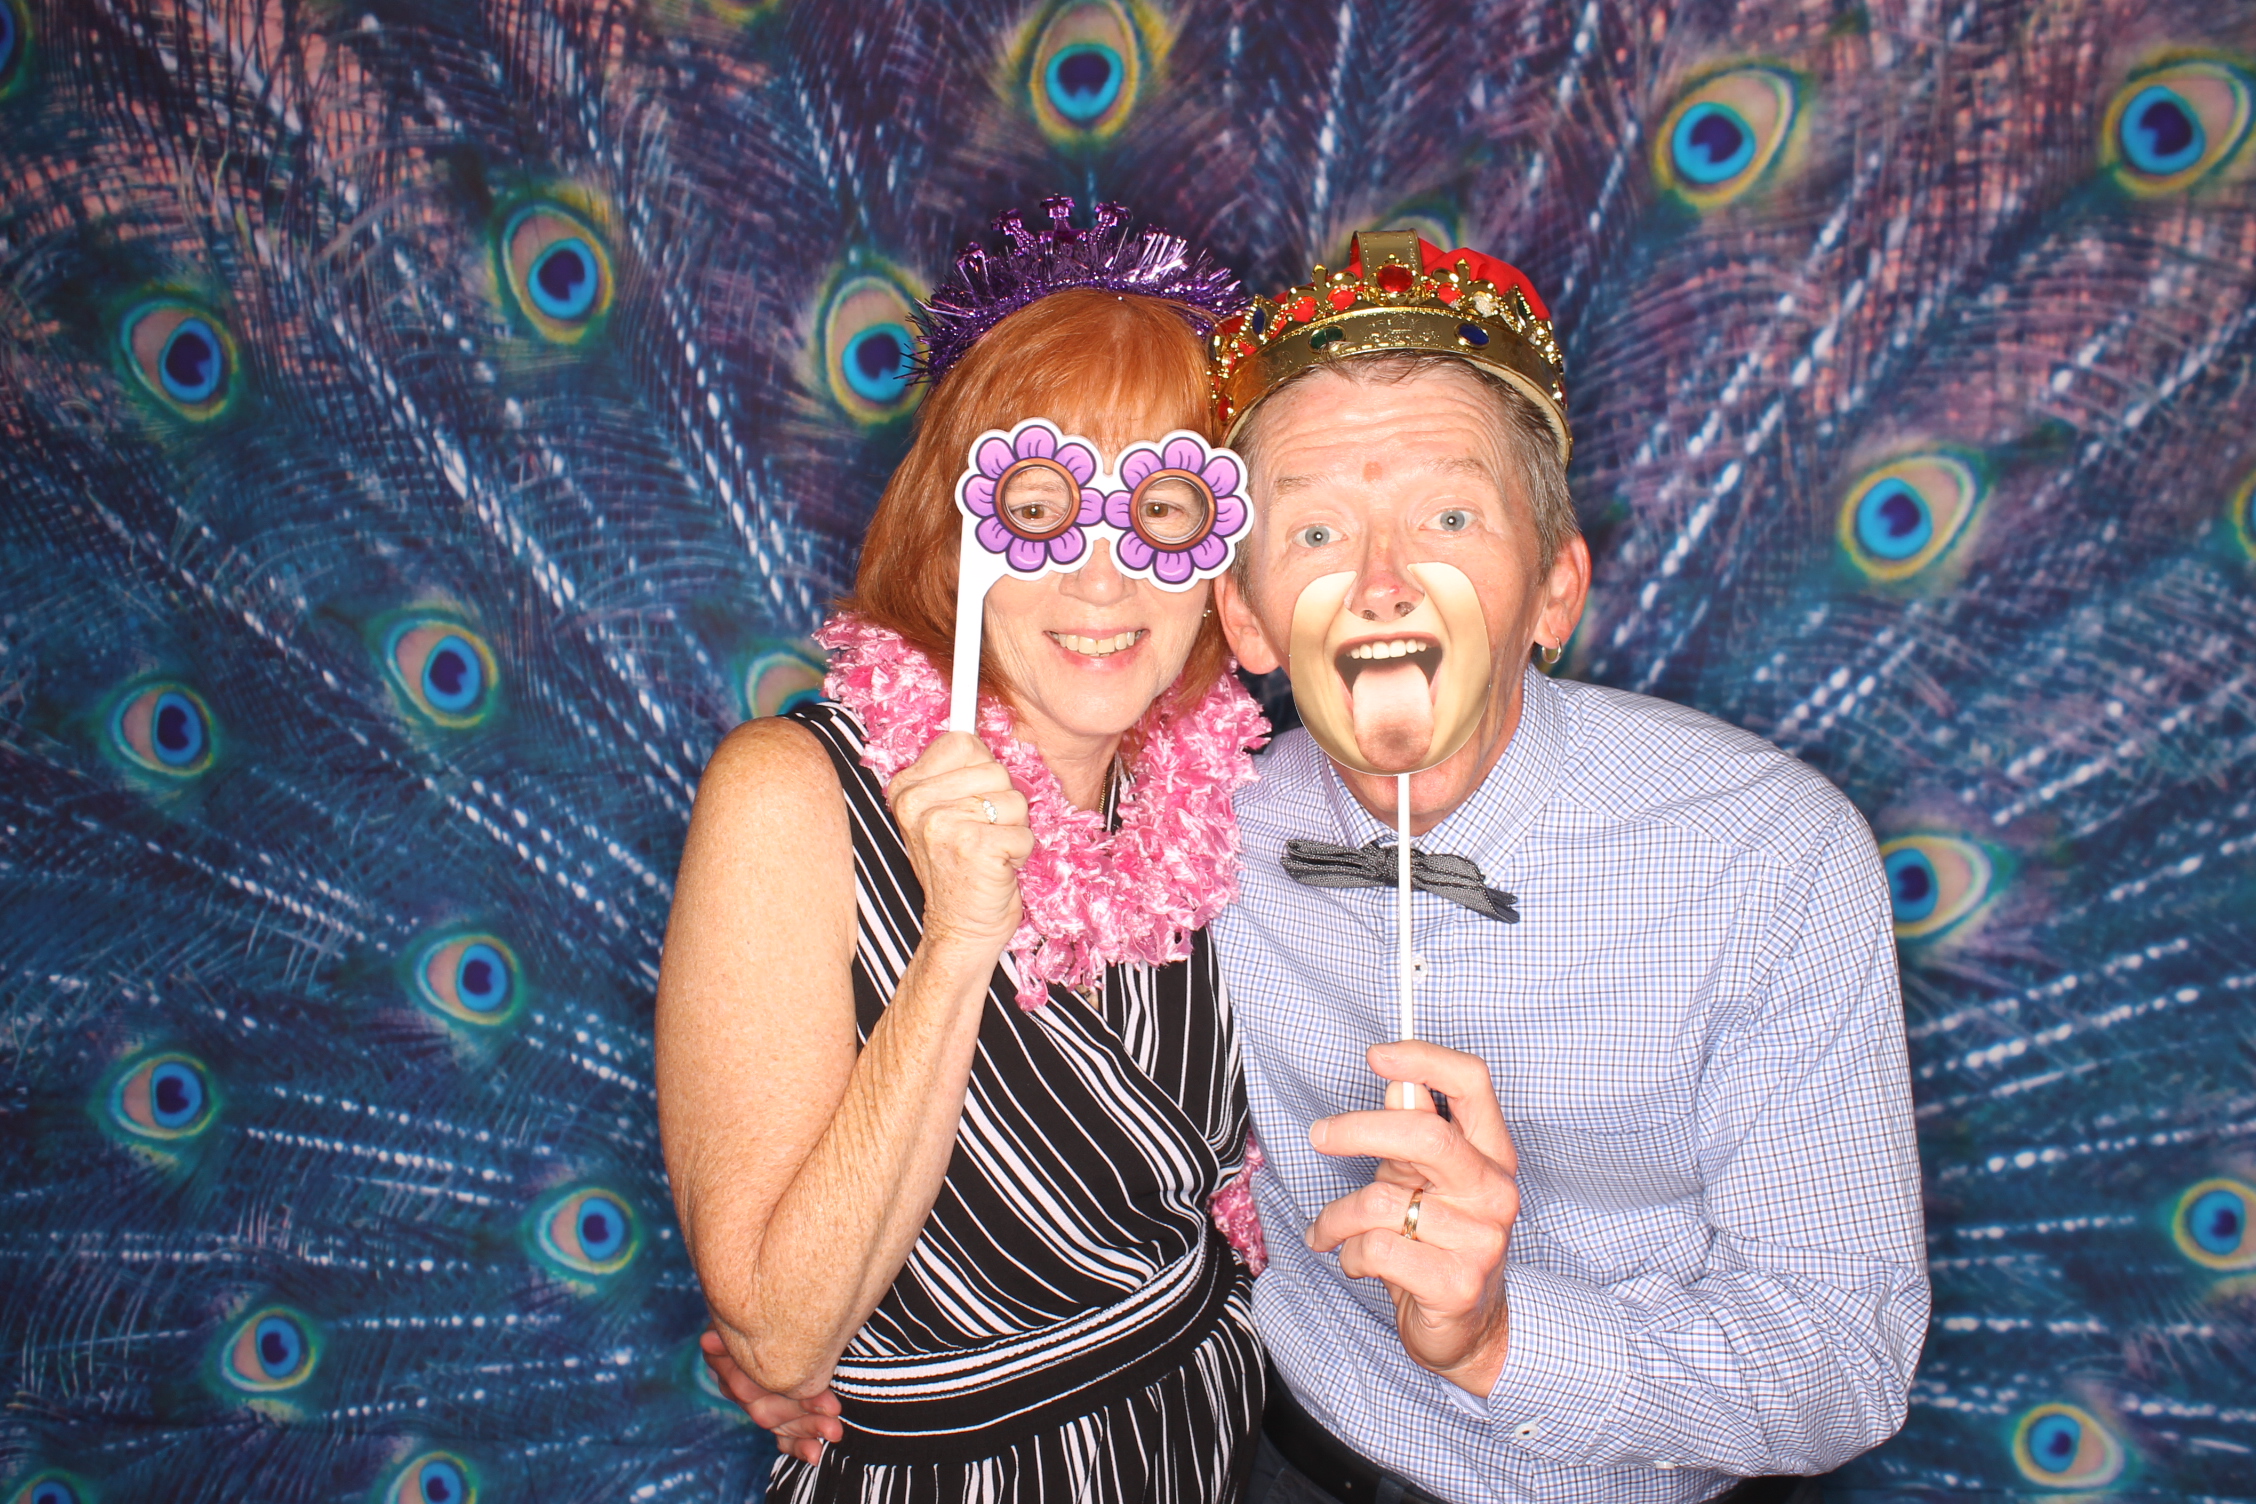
(1092, 898)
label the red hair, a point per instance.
(1112, 367)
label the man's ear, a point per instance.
(1243, 628)
(1564, 594)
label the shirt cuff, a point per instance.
(1565, 1369)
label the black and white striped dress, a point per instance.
(1069, 1324)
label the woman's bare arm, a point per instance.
(804, 1169)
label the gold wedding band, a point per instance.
(989, 806)
(1410, 1217)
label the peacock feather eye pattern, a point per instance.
(1935, 882)
(1087, 63)
(443, 669)
(2169, 127)
(473, 979)
(2065, 1446)
(433, 1478)
(782, 678)
(1717, 141)
(163, 728)
(586, 1232)
(1898, 520)
(270, 1351)
(558, 271)
(162, 1098)
(740, 12)
(2241, 514)
(2210, 1224)
(183, 355)
(52, 1487)
(866, 343)
(15, 46)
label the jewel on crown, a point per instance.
(990, 285)
(1397, 294)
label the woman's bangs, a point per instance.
(1113, 369)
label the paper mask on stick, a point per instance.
(1035, 500)
(1393, 696)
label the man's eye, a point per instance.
(1455, 520)
(1314, 536)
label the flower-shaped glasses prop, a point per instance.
(1180, 512)
(1030, 496)
(1035, 500)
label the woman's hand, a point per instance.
(800, 1426)
(967, 863)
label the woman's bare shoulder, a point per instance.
(769, 797)
(769, 853)
(772, 746)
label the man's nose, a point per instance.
(1384, 590)
(1098, 582)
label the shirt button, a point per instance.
(1667, 1467)
(1524, 1430)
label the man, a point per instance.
(1670, 1235)
(1667, 1236)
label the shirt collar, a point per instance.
(1489, 825)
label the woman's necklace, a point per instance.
(1092, 897)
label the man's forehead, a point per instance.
(1298, 474)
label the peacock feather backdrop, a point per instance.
(428, 425)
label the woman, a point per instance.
(983, 1223)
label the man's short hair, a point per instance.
(1529, 444)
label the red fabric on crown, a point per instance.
(1502, 273)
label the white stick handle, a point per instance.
(1406, 964)
(1402, 903)
(975, 573)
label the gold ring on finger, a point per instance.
(1410, 1216)
(989, 806)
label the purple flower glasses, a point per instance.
(1173, 512)
(1031, 491)
(1183, 508)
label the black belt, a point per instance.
(1775, 1489)
(900, 1412)
(1328, 1462)
(1352, 1478)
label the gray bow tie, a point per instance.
(1321, 864)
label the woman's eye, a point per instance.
(1455, 520)
(1315, 536)
(1033, 511)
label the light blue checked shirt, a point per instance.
(1697, 1038)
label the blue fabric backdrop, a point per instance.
(425, 428)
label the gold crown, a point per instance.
(1478, 308)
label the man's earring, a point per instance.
(1551, 655)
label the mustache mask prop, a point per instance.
(1393, 697)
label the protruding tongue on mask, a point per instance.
(1392, 706)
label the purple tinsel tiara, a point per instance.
(988, 287)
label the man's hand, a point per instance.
(1448, 1282)
(800, 1428)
